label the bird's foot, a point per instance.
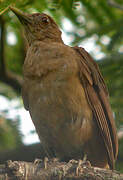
(40, 161)
(55, 159)
(85, 161)
(37, 161)
(78, 167)
(82, 164)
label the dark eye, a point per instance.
(45, 19)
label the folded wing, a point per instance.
(97, 96)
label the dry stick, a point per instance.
(6, 9)
(113, 4)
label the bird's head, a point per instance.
(38, 26)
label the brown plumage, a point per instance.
(66, 96)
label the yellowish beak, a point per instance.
(23, 17)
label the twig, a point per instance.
(3, 11)
(113, 4)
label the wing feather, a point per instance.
(97, 96)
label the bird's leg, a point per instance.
(45, 162)
(85, 158)
(85, 161)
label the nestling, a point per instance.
(66, 96)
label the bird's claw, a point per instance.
(37, 161)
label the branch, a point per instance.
(113, 4)
(6, 77)
(55, 170)
(13, 80)
(2, 40)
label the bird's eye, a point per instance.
(45, 20)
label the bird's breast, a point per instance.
(56, 98)
(55, 59)
(60, 107)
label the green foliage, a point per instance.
(119, 164)
(10, 137)
(112, 69)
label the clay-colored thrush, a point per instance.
(66, 96)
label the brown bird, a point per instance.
(66, 96)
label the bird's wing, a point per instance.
(97, 96)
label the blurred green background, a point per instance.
(95, 25)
